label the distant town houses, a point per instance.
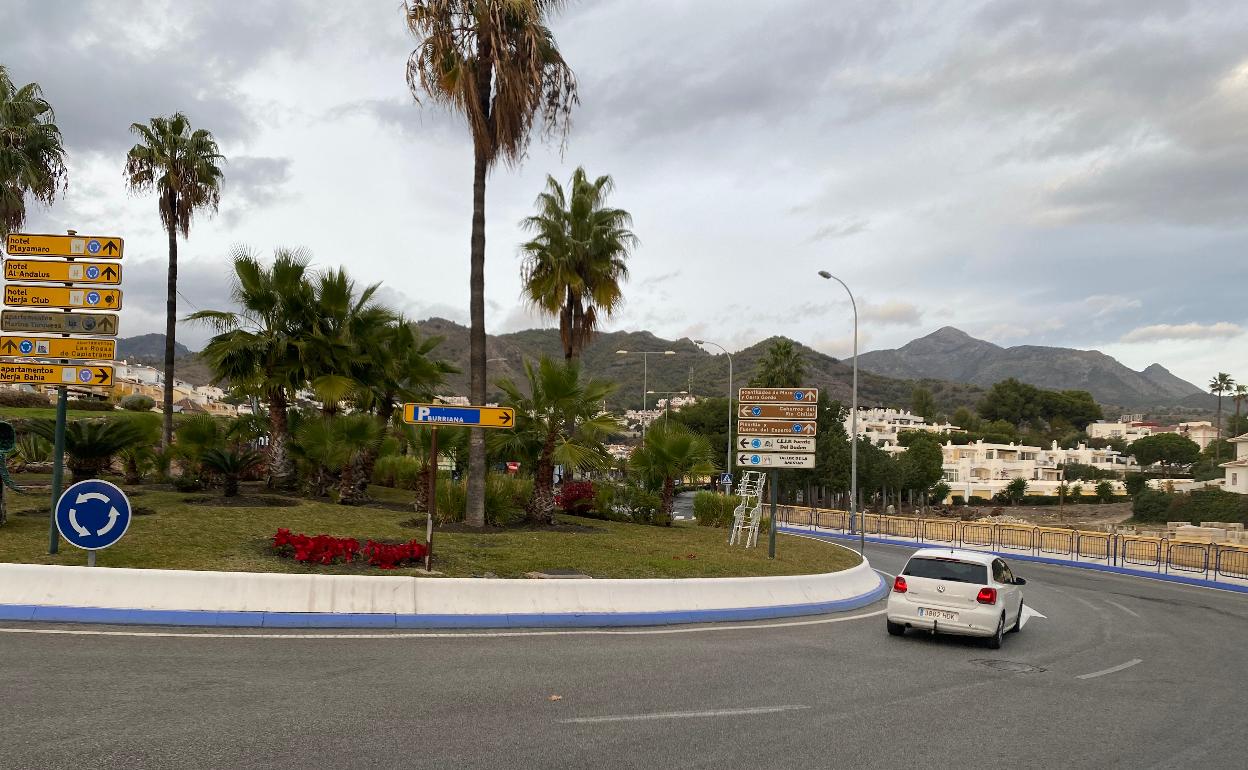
(140, 379)
(1237, 470)
(882, 426)
(1127, 430)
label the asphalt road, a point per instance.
(834, 691)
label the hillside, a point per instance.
(149, 349)
(951, 354)
(691, 368)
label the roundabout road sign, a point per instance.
(93, 514)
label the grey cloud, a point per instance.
(1188, 331)
(253, 182)
(840, 229)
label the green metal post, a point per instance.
(58, 469)
(771, 535)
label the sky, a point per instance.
(1063, 173)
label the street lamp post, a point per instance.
(853, 429)
(667, 404)
(645, 376)
(728, 466)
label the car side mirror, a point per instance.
(1018, 581)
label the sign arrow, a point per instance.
(111, 248)
(808, 429)
(505, 418)
(102, 376)
(113, 515)
(89, 496)
(744, 443)
(73, 522)
(109, 272)
(106, 324)
(9, 346)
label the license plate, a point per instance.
(926, 612)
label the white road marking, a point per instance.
(437, 634)
(1028, 614)
(683, 715)
(1112, 670)
(1079, 599)
(1127, 610)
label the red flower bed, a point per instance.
(323, 549)
(576, 497)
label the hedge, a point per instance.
(713, 509)
(1152, 505)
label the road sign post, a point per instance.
(92, 515)
(771, 534)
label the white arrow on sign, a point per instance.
(86, 496)
(73, 521)
(113, 515)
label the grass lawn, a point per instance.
(182, 534)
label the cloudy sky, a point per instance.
(1064, 173)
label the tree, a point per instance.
(963, 418)
(670, 452)
(782, 366)
(1220, 385)
(1016, 490)
(183, 166)
(497, 63)
(1239, 396)
(940, 492)
(1076, 493)
(922, 403)
(922, 465)
(262, 347)
(576, 259)
(32, 154)
(558, 422)
(231, 464)
(91, 444)
(1104, 492)
(1168, 448)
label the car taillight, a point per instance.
(987, 596)
(899, 585)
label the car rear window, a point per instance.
(947, 569)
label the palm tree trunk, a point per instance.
(474, 515)
(1217, 445)
(368, 460)
(542, 503)
(669, 492)
(171, 320)
(231, 485)
(567, 328)
(281, 469)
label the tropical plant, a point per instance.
(1220, 385)
(1104, 492)
(782, 366)
(32, 448)
(230, 464)
(344, 320)
(358, 437)
(263, 347)
(940, 492)
(1016, 490)
(334, 445)
(670, 452)
(195, 436)
(183, 167)
(576, 259)
(496, 63)
(1238, 396)
(32, 154)
(90, 445)
(141, 457)
(559, 420)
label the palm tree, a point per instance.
(496, 62)
(264, 347)
(231, 464)
(1221, 384)
(183, 166)
(559, 421)
(32, 154)
(91, 444)
(576, 260)
(781, 367)
(1239, 396)
(670, 452)
(344, 322)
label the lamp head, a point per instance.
(699, 342)
(669, 352)
(825, 274)
(621, 352)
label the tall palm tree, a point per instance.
(669, 452)
(344, 321)
(559, 421)
(781, 367)
(183, 166)
(576, 260)
(32, 155)
(1239, 396)
(496, 62)
(264, 347)
(1221, 384)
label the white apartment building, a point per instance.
(881, 426)
(984, 470)
(1202, 432)
(1127, 431)
(1237, 469)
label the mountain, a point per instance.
(149, 349)
(690, 368)
(952, 354)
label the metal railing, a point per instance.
(1214, 561)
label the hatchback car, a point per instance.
(949, 591)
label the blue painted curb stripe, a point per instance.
(1170, 578)
(54, 614)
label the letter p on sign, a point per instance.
(422, 414)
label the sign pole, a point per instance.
(432, 506)
(58, 468)
(771, 535)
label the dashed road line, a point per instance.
(1112, 669)
(1127, 610)
(754, 711)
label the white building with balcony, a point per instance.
(882, 426)
(1127, 431)
(1237, 469)
(1202, 432)
(984, 470)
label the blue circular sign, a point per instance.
(797, 428)
(26, 346)
(757, 444)
(93, 246)
(798, 395)
(93, 514)
(93, 272)
(756, 411)
(93, 298)
(84, 375)
(755, 459)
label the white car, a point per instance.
(949, 591)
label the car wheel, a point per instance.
(895, 629)
(1018, 622)
(994, 641)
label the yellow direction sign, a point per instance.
(44, 270)
(59, 296)
(104, 324)
(55, 374)
(472, 416)
(58, 347)
(91, 246)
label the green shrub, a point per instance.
(34, 449)
(647, 508)
(137, 402)
(23, 399)
(1104, 492)
(84, 405)
(1136, 483)
(713, 509)
(505, 498)
(1153, 505)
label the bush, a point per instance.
(1104, 492)
(1136, 483)
(84, 405)
(137, 402)
(1153, 505)
(576, 497)
(713, 509)
(398, 471)
(23, 399)
(505, 499)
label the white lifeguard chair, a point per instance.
(749, 512)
